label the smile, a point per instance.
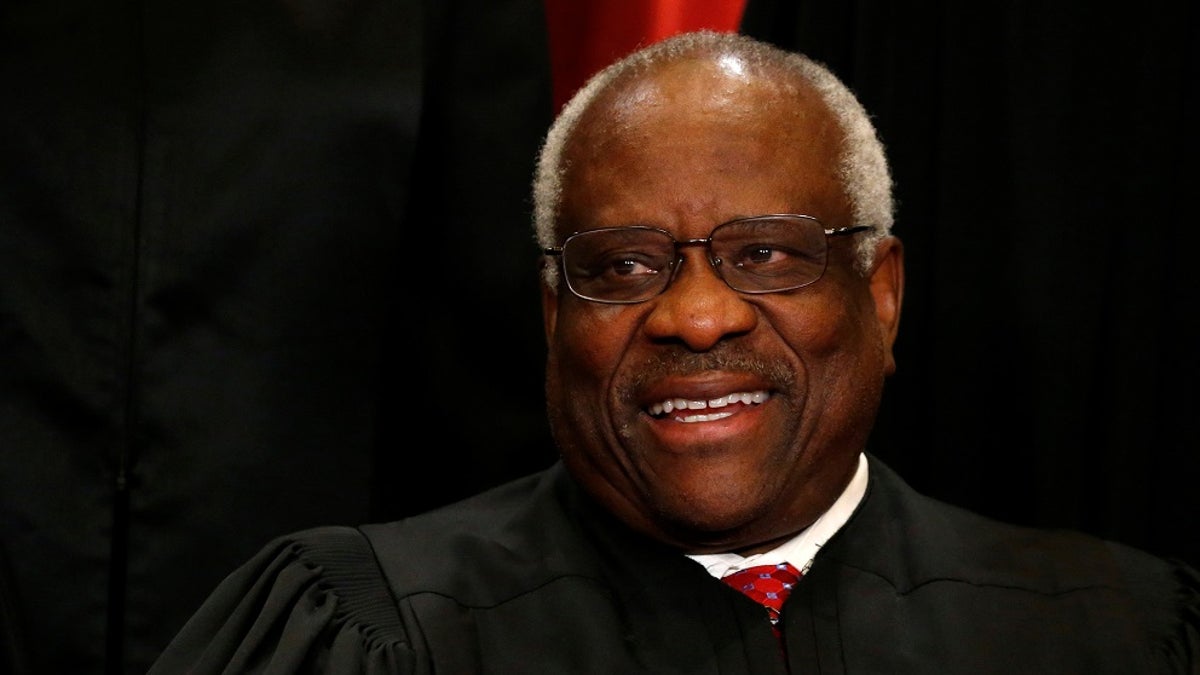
(668, 406)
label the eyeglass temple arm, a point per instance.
(853, 229)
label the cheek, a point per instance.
(589, 340)
(817, 332)
(832, 328)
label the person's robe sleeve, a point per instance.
(306, 603)
(1183, 648)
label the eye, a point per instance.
(761, 254)
(765, 257)
(618, 255)
(619, 264)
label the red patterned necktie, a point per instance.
(768, 585)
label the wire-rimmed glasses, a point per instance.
(760, 254)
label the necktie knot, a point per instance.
(768, 585)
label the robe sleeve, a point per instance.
(1182, 648)
(311, 602)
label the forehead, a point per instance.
(703, 138)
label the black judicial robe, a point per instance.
(532, 578)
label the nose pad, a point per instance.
(680, 268)
(706, 245)
(715, 263)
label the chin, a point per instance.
(709, 517)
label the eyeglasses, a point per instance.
(761, 254)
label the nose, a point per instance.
(698, 308)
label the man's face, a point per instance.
(684, 151)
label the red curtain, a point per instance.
(586, 35)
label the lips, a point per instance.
(689, 410)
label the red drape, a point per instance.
(586, 35)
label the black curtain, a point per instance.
(1045, 163)
(263, 266)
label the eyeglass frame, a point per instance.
(706, 242)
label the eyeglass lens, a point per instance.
(754, 255)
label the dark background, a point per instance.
(1045, 155)
(265, 266)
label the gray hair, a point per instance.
(863, 167)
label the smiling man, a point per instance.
(786, 329)
(721, 295)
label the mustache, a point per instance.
(682, 362)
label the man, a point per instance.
(721, 296)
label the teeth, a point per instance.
(673, 404)
(702, 418)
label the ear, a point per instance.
(549, 310)
(887, 289)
